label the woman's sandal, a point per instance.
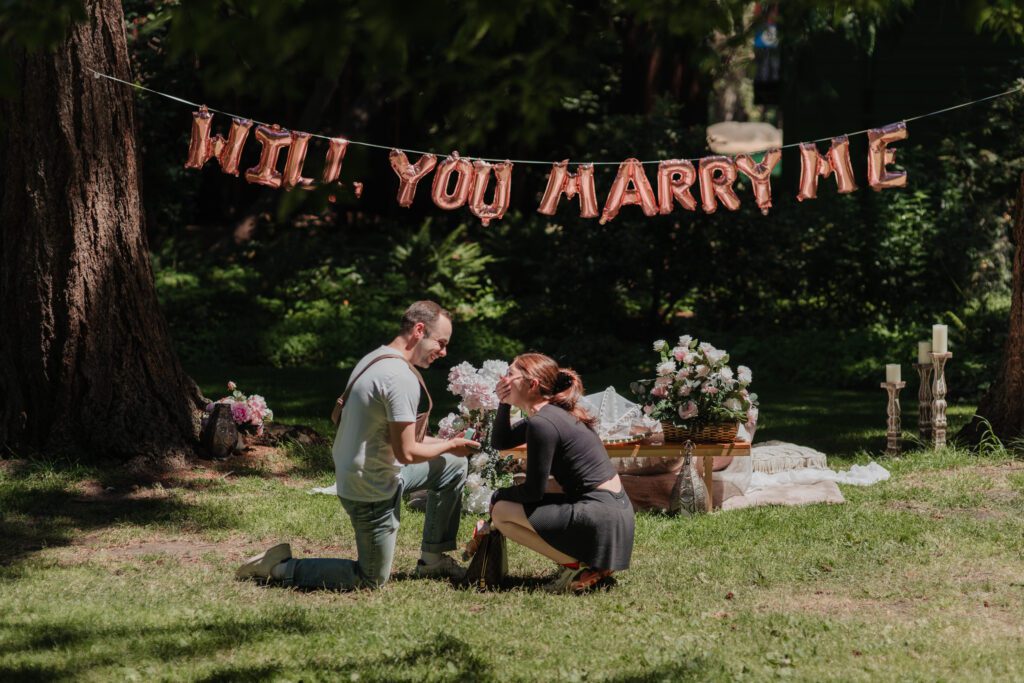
(587, 579)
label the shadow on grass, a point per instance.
(91, 646)
(45, 506)
(445, 658)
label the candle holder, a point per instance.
(893, 434)
(939, 399)
(924, 402)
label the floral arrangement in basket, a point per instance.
(248, 412)
(487, 469)
(695, 390)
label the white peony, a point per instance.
(494, 369)
(743, 374)
(478, 501)
(660, 344)
(733, 404)
(685, 340)
(666, 368)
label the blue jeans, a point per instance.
(376, 528)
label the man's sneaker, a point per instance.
(446, 567)
(561, 583)
(259, 566)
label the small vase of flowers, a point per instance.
(488, 470)
(695, 393)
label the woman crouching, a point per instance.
(587, 525)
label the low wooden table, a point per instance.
(707, 451)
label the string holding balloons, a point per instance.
(460, 181)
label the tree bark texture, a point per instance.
(86, 364)
(1003, 404)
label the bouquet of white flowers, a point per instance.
(487, 470)
(695, 387)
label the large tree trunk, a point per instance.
(1003, 404)
(86, 365)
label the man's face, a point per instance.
(433, 344)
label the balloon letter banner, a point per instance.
(560, 182)
(880, 156)
(502, 190)
(202, 148)
(410, 174)
(631, 172)
(718, 186)
(760, 176)
(813, 165)
(675, 178)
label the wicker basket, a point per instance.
(719, 432)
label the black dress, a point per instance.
(593, 525)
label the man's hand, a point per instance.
(503, 389)
(463, 447)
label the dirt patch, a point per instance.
(104, 547)
(190, 475)
(991, 612)
(827, 603)
(997, 475)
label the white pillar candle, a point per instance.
(924, 352)
(892, 373)
(940, 339)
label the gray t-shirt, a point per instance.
(364, 462)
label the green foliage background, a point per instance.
(825, 291)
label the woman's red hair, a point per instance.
(560, 386)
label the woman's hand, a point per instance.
(503, 389)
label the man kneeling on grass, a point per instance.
(379, 453)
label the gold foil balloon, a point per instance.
(409, 175)
(560, 182)
(496, 209)
(760, 175)
(458, 195)
(812, 165)
(630, 187)
(675, 178)
(717, 174)
(202, 148)
(880, 156)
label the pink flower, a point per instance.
(241, 413)
(679, 353)
(684, 390)
(688, 411)
(709, 389)
(660, 391)
(258, 404)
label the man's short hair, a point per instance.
(426, 312)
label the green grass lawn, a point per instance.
(105, 576)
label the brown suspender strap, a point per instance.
(421, 419)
